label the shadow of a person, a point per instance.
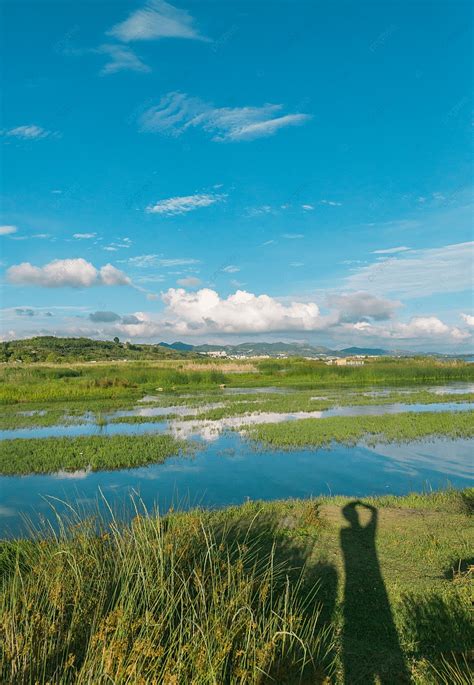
(371, 649)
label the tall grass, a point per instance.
(170, 601)
(31, 383)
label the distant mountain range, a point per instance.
(52, 349)
(287, 349)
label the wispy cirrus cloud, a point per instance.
(8, 230)
(84, 236)
(392, 250)
(418, 273)
(147, 261)
(330, 203)
(174, 206)
(177, 112)
(293, 236)
(120, 58)
(29, 132)
(157, 19)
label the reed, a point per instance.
(173, 600)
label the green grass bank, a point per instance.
(317, 591)
(49, 455)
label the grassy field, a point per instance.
(49, 455)
(371, 429)
(318, 591)
(79, 409)
(128, 381)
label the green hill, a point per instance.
(52, 349)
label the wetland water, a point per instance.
(210, 429)
(226, 468)
(230, 470)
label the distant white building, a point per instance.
(345, 361)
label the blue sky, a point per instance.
(238, 170)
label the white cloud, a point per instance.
(204, 312)
(231, 269)
(113, 247)
(258, 211)
(293, 236)
(177, 112)
(359, 305)
(110, 275)
(147, 261)
(84, 236)
(242, 312)
(8, 230)
(330, 203)
(392, 250)
(427, 329)
(468, 320)
(30, 132)
(72, 273)
(181, 205)
(157, 19)
(420, 326)
(189, 282)
(418, 273)
(307, 208)
(121, 58)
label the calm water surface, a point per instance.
(230, 469)
(210, 429)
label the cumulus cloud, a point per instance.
(30, 132)
(181, 205)
(177, 112)
(418, 328)
(72, 273)
(110, 275)
(131, 320)
(8, 230)
(418, 272)
(157, 19)
(468, 320)
(242, 312)
(113, 318)
(360, 305)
